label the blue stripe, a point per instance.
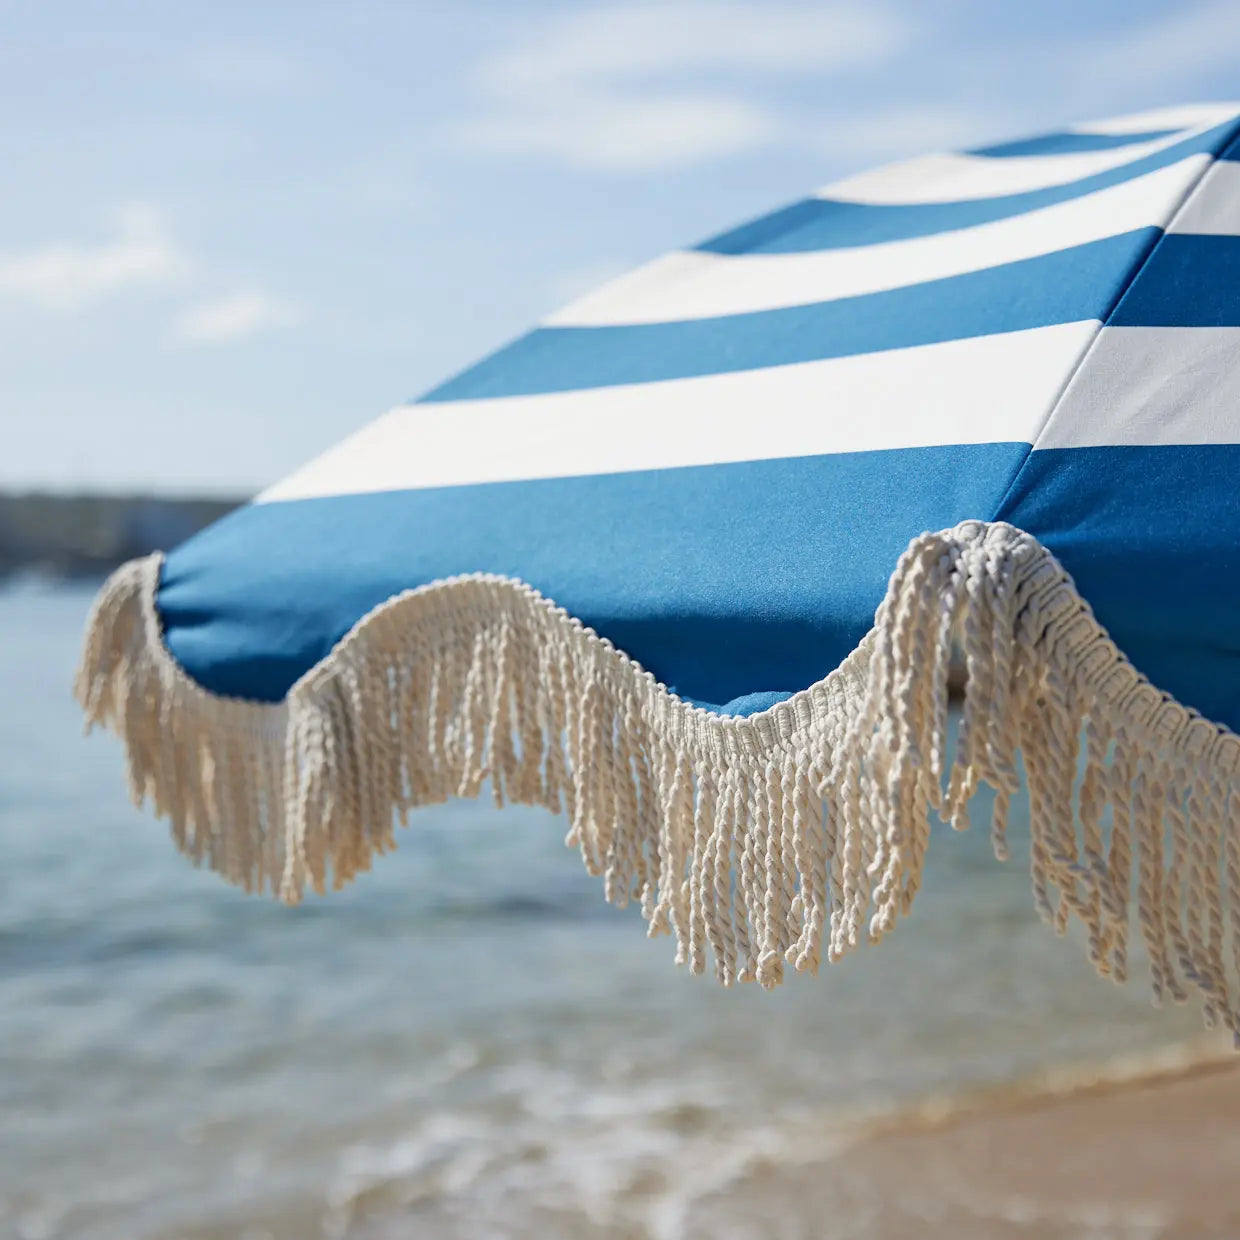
(1067, 286)
(732, 583)
(1068, 143)
(826, 224)
(1188, 281)
(725, 581)
(1152, 537)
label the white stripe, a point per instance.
(984, 390)
(957, 178)
(1152, 385)
(1214, 207)
(1188, 116)
(696, 285)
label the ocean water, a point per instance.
(468, 1042)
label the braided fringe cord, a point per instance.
(760, 842)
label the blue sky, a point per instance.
(231, 233)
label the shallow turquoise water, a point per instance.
(466, 1043)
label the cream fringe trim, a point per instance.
(759, 841)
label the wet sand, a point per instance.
(1157, 1157)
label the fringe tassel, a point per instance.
(765, 841)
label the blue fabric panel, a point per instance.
(827, 224)
(1152, 537)
(1066, 286)
(736, 584)
(731, 583)
(1068, 143)
(1188, 281)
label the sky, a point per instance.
(231, 233)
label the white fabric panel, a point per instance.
(956, 178)
(984, 390)
(1187, 116)
(1214, 207)
(1152, 385)
(693, 284)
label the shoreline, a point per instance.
(1143, 1146)
(1202, 1056)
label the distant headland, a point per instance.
(88, 535)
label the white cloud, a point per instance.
(605, 89)
(1175, 50)
(248, 70)
(656, 84)
(626, 43)
(232, 318)
(69, 275)
(617, 134)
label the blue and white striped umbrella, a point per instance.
(663, 562)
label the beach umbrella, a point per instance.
(696, 560)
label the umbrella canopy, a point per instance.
(663, 563)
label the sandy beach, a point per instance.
(1154, 1155)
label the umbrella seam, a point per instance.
(1083, 359)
